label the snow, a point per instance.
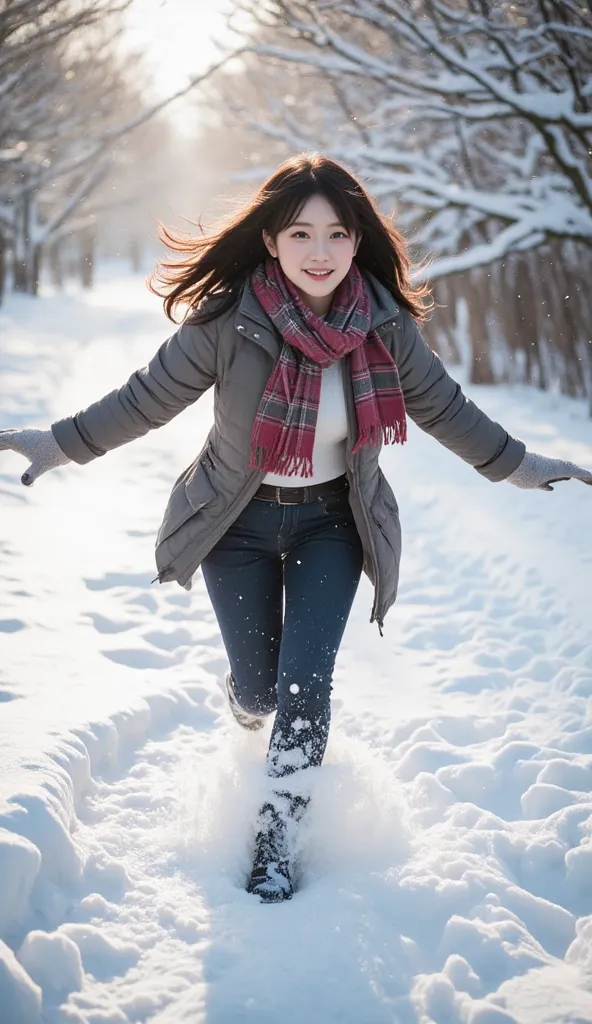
(446, 866)
(53, 962)
(21, 997)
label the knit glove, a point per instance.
(38, 446)
(539, 471)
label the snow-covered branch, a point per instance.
(412, 76)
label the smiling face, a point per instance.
(315, 252)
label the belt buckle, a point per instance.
(279, 499)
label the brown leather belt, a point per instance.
(300, 495)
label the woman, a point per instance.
(303, 317)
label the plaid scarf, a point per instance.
(283, 433)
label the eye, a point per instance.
(343, 234)
(301, 233)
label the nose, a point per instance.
(319, 251)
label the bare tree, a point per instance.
(38, 65)
(68, 104)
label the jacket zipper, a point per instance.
(383, 532)
(379, 620)
(374, 557)
(373, 614)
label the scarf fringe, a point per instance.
(392, 433)
(264, 459)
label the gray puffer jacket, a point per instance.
(236, 353)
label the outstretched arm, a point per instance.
(438, 405)
(178, 374)
(435, 401)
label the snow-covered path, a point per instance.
(448, 862)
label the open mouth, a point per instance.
(318, 275)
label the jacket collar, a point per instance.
(252, 321)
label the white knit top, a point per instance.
(328, 454)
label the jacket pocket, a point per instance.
(199, 489)
(385, 492)
(387, 535)
(191, 492)
(385, 513)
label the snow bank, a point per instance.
(20, 997)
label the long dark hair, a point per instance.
(220, 262)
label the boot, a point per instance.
(244, 718)
(271, 877)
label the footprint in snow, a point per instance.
(169, 641)
(104, 625)
(120, 579)
(434, 639)
(143, 659)
(494, 680)
(12, 625)
(181, 599)
(145, 601)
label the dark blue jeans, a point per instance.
(282, 581)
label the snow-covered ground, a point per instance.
(447, 868)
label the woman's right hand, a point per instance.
(38, 446)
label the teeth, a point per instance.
(319, 273)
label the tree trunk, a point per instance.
(87, 261)
(19, 273)
(443, 322)
(56, 269)
(507, 314)
(19, 252)
(481, 367)
(26, 253)
(2, 267)
(34, 269)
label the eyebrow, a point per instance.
(305, 224)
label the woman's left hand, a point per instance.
(540, 471)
